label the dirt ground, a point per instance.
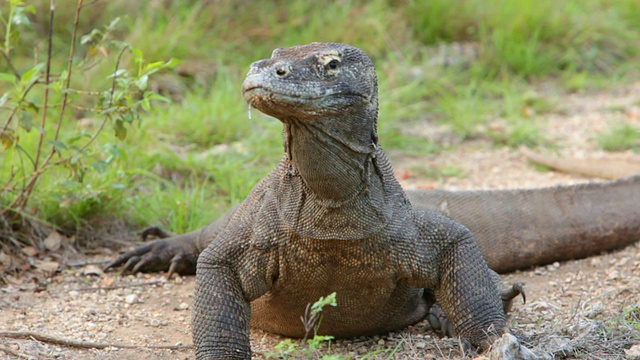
(576, 309)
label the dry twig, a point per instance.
(30, 335)
(114, 287)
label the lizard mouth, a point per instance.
(256, 95)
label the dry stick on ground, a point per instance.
(30, 335)
(602, 168)
(114, 287)
(85, 263)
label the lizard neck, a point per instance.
(339, 182)
(335, 163)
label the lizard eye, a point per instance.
(333, 64)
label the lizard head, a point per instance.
(313, 81)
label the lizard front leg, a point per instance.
(221, 315)
(232, 271)
(449, 262)
(467, 292)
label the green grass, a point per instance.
(185, 162)
(620, 138)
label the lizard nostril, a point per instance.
(282, 71)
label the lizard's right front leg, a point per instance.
(221, 315)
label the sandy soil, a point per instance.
(580, 308)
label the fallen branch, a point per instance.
(608, 168)
(30, 335)
(85, 263)
(114, 287)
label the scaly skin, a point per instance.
(332, 217)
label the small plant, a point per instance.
(311, 320)
(39, 103)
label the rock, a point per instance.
(53, 241)
(92, 270)
(559, 347)
(182, 306)
(508, 348)
(595, 309)
(131, 298)
(633, 353)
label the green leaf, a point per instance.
(322, 302)
(129, 117)
(26, 120)
(4, 98)
(146, 105)
(142, 82)
(58, 145)
(7, 77)
(113, 23)
(90, 37)
(32, 74)
(137, 55)
(75, 158)
(173, 62)
(118, 73)
(121, 131)
(158, 65)
(20, 16)
(150, 95)
(100, 166)
(80, 135)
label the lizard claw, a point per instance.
(439, 322)
(508, 294)
(131, 265)
(175, 263)
(155, 231)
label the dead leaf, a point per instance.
(5, 260)
(53, 241)
(29, 251)
(107, 281)
(47, 266)
(404, 175)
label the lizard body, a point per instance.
(332, 217)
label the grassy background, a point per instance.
(460, 63)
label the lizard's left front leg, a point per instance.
(467, 293)
(450, 263)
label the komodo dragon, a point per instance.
(332, 217)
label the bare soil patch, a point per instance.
(576, 309)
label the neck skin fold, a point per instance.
(333, 160)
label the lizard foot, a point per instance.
(509, 293)
(166, 254)
(439, 322)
